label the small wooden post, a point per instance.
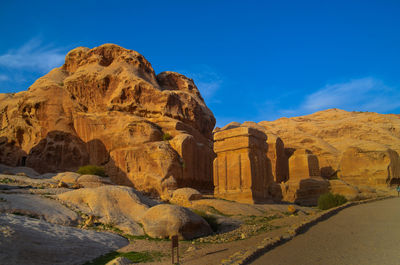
(175, 244)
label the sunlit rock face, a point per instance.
(106, 106)
(360, 148)
(240, 168)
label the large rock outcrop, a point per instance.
(331, 135)
(106, 106)
(372, 168)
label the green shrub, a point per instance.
(210, 219)
(135, 257)
(92, 170)
(166, 137)
(329, 200)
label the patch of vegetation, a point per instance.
(109, 227)
(166, 137)
(210, 219)
(7, 180)
(92, 170)
(135, 257)
(213, 210)
(329, 200)
(143, 237)
(2, 200)
(261, 222)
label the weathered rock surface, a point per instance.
(240, 169)
(38, 207)
(185, 196)
(84, 181)
(106, 106)
(29, 241)
(372, 168)
(118, 206)
(165, 220)
(337, 186)
(305, 183)
(328, 134)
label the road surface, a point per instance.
(364, 234)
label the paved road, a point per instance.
(359, 235)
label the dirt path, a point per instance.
(365, 234)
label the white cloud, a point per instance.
(367, 94)
(364, 94)
(33, 55)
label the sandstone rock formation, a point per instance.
(240, 169)
(38, 207)
(38, 242)
(119, 206)
(372, 168)
(305, 183)
(328, 134)
(304, 152)
(83, 181)
(185, 196)
(165, 220)
(106, 106)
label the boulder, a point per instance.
(184, 196)
(118, 206)
(84, 181)
(165, 220)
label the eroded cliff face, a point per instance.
(330, 133)
(329, 150)
(106, 106)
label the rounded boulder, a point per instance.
(165, 221)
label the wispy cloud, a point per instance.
(367, 94)
(33, 55)
(363, 94)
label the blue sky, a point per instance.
(252, 60)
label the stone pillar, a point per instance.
(240, 168)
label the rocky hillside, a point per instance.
(359, 147)
(106, 106)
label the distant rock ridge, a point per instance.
(106, 106)
(343, 150)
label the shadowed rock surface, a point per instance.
(27, 241)
(39, 207)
